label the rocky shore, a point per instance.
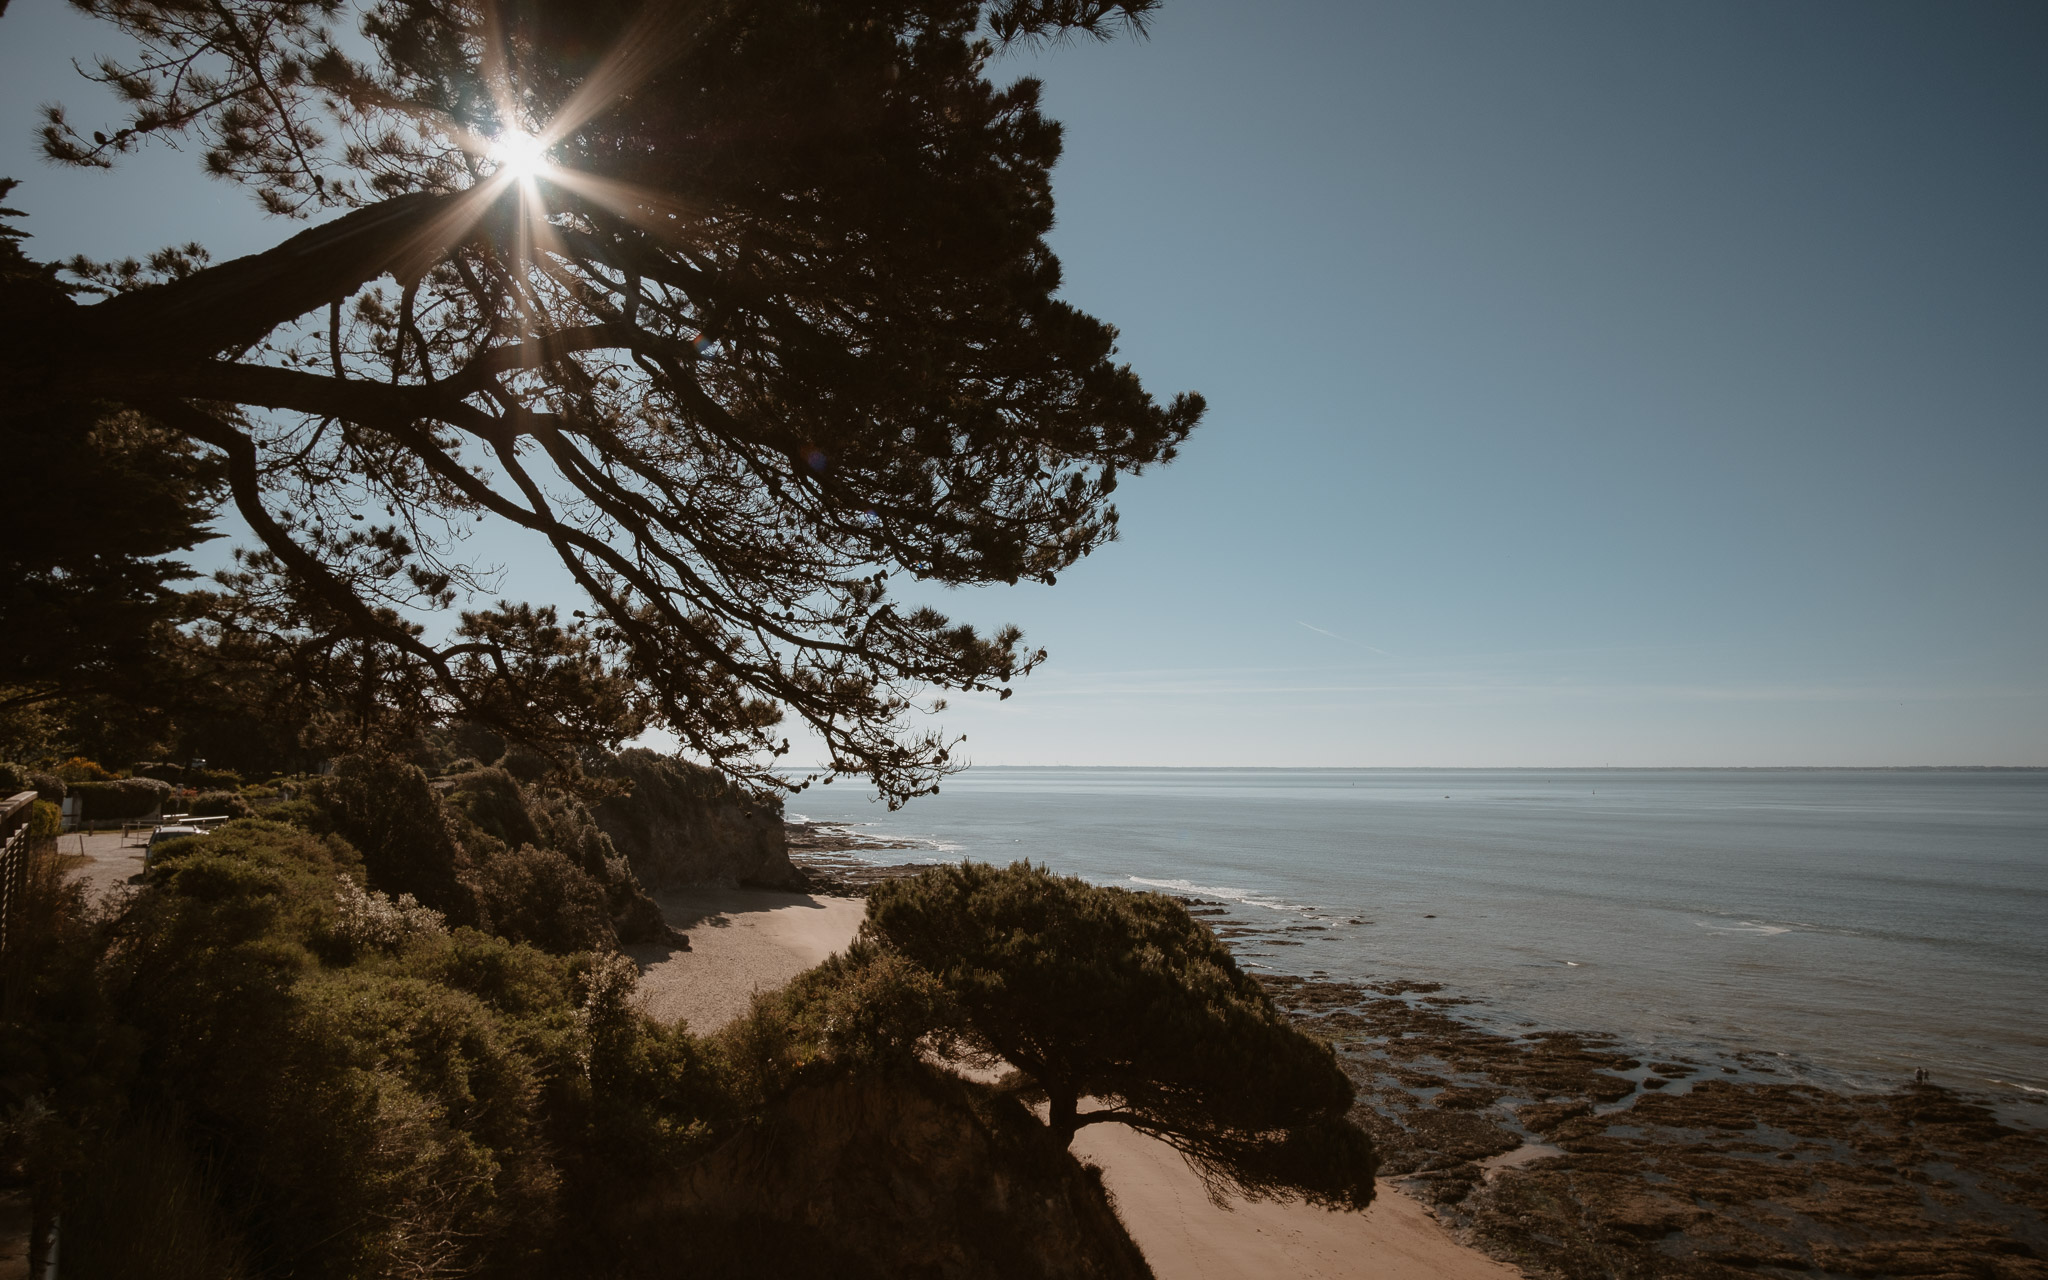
(1570, 1156)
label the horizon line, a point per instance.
(1509, 768)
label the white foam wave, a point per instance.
(2023, 1088)
(1751, 927)
(1248, 897)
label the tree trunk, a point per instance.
(238, 302)
(1065, 1110)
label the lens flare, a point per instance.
(519, 155)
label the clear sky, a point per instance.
(1617, 383)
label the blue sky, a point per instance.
(1633, 384)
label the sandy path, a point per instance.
(113, 860)
(741, 941)
(1185, 1237)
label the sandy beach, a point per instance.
(741, 941)
(744, 940)
(1185, 1237)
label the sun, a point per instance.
(519, 155)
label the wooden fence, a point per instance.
(15, 813)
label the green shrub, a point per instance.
(564, 823)
(15, 779)
(537, 895)
(387, 809)
(221, 804)
(864, 1008)
(121, 799)
(370, 1093)
(365, 918)
(370, 1119)
(491, 801)
(306, 815)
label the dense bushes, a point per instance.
(539, 896)
(485, 851)
(387, 809)
(201, 779)
(15, 779)
(269, 1064)
(216, 804)
(120, 800)
(373, 1093)
(79, 769)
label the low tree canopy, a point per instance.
(99, 503)
(743, 306)
(1124, 1002)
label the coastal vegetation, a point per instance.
(290, 1064)
(1123, 999)
(745, 313)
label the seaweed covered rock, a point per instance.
(684, 824)
(907, 1172)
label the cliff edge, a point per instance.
(685, 824)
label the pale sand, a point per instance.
(743, 940)
(1185, 1237)
(113, 861)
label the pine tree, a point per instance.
(743, 306)
(1124, 1002)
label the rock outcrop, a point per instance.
(906, 1174)
(685, 824)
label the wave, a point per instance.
(1751, 927)
(1249, 897)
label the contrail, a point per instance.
(1346, 639)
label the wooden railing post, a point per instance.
(16, 812)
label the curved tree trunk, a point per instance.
(1064, 1118)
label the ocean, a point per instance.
(1848, 925)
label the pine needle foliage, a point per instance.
(1119, 1007)
(761, 321)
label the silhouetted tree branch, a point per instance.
(773, 323)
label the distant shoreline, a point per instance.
(1484, 768)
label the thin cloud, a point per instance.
(1346, 639)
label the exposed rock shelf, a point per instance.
(1675, 1168)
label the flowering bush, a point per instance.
(368, 918)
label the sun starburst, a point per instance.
(519, 155)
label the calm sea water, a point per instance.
(1860, 924)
